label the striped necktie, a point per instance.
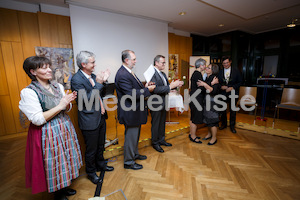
(137, 79)
(163, 78)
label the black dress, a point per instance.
(210, 115)
(196, 115)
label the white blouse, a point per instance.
(31, 107)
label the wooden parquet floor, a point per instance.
(246, 165)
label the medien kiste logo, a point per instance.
(91, 101)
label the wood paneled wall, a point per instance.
(20, 33)
(183, 47)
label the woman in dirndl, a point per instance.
(53, 156)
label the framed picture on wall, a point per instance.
(62, 60)
(173, 66)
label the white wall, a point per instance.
(108, 34)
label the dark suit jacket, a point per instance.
(125, 83)
(87, 119)
(235, 80)
(161, 89)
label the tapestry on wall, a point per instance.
(62, 63)
(173, 66)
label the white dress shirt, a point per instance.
(227, 74)
(89, 77)
(129, 70)
(162, 76)
(31, 106)
(204, 76)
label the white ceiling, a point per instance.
(202, 16)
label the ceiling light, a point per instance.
(292, 24)
(221, 25)
(182, 13)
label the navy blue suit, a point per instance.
(159, 117)
(91, 123)
(235, 81)
(133, 119)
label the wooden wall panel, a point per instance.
(8, 116)
(64, 30)
(11, 73)
(65, 46)
(171, 37)
(21, 80)
(183, 47)
(9, 25)
(189, 47)
(30, 36)
(3, 80)
(2, 124)
(18, 58)
(48, 30)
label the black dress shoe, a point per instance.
(212, 143)
(141, 157)
(94, 178)
(232, 129)
(134, 166)
(158, 148)
(109, 168)
(223, 127)
(60, 195)
(69, 191)
(165, 143)
(195, 139)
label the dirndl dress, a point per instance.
(56, 141)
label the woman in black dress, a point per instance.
(210, 114)
(196, 114)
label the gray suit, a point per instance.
(159, 117)
(91, 123)
(132, 119)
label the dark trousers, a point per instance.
(158, 126)
(232, 117)
(94, 142)
(132, 135)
